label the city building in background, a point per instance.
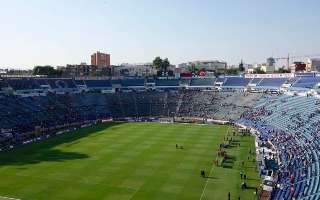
(313, 64)
(81, 70)
(135, 69)
(271, 62)
(100, 66)
(248, 68)
(100, 59)
(210, 66)
(269, 66)
(298, 67)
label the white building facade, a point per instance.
(313, 64)
(208, 65)
(135, 69)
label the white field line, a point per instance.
(133, 194)
(205, 186)
(8, 198)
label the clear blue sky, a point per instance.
(57, 32)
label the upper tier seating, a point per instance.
(236, 82)
(220, 79)
(132, 82)
(255, 81)
(98, 83)
(57, 83)
(306, 82)
(185, 81)
(80, 82)
(167, 82)
(3, 84)
(60, 84)
(272, 82)
(202, 82)
(23, 84)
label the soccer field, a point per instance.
(129, 161)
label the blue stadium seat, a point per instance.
(202, 82)
(132, 82)
(98, 84)
(167, 82)
(306, 82)
(23, 83)
(236, 82)
(272, 82)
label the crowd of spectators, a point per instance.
(217, 105)
(291, 124)
(21, 116)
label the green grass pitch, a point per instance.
(128, 161)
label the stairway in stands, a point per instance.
(121, 105)
(179, 102)
(135, 104)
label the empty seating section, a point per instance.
(70, 83)
(98, 83)
(255, 81)
(132, 82)
(150, 80)
(116, 82)
(3, 84)
(79, 82)
(220, 80)
(202, 82)
(291, 80)
(236, 82)
(306, 82)
(185, 81)
(57, 83)
(292, 124)
(227, 82)
(272, 82)
(167, 82)
(42, 81)
(23, 84)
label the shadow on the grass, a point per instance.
(49, 155)
(251, 188)
(44, 151)
(229, 162)
(253, 179)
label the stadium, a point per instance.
(230, 137)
